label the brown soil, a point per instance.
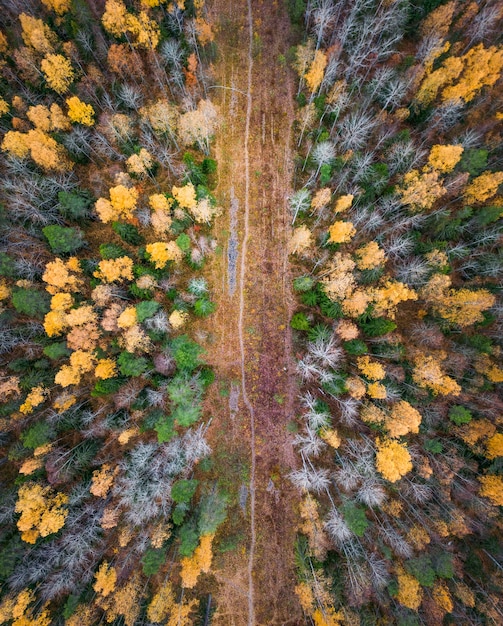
(249, 340)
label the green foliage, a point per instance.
(31, 302)
(303, 283)
(486, 215)
(204, 307)
(325, 174)
(71, 605)
(212, 512)
(63, 240)
(356, 347)
(7, 266)
(165, 428)
(11, 552)
(183, 242)
(186, 415)
(434, 446)
(105, 387)
(296, 10)
(111, 251)
(355, 518)
(183, 490)
(377, 327)
(189, 539)
(473, 161)
(146, 309)
(178, 514)
(56, 350)
(75, 206)
(128, 233)
(37, 435)
(186, 353)
(444, 565)
(421, 568)
(336, 386)
(299, 321)
(459, 415)
(152, 561)
(131, 365)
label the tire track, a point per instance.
(246, 400)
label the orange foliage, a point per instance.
(483, 187)
(199, 562)
(103, 480)
(312, 527)
(112, 270)
(36, 34)
(421, 191)
(403, 419)
(370, 256)
(341, 232)
(121, 205)
(495, 446)
(105, 579)
(409, 590)
(429, 375)
(492, 488)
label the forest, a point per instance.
(251, 316)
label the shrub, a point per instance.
(63, 240)
(30, 302)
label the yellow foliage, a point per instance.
(4, 106)
(35, 398)
(102, 480)
(105, 579)
(43, 149)
(80, 112)
(161, 604)
(185, 196)
(315, 74)
(126, 435)
(418, 536)
(483, 187)
(59, 121)
(204, 31)
(127, 318)
(442, 597)
(421, 191)
(161, 252)
(356, 303)
(321, 198)
(84, 314)
(331, 436)
(438, 21)
(495, 446)
(82, 361)
(343, 203)
(465, 594)
(476, 430)
(199, 562)
(178, 318)
(115, 18)
(42, 513)
(370, 369)
(403, 419)
(58, 72)
(61, 302)
(429, 375)
(67, 376)
(60, 7)
(450, 69)
(370, 256)
(372, 414)
(58, 277)
(36, 34)
(16, 144)
(62, 403)
(140, 163)
(301, 240)
(341, 232)
(105, 368)
(445, 158)
(312, 527)
(376, 391)
(410, 593)
(40, 116)
(481, 67)
(492, 488)
(392, 460)
(121, 205)
(112, 270)
(339, 281)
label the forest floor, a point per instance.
(248, 339)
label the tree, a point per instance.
(198, 126)
(314, 75)
(445, 158)
(122, 203)
(58, 72)
(392, 460)
(80, 112)
(63, 240)
(42, 511)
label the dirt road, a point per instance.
(251, 341)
